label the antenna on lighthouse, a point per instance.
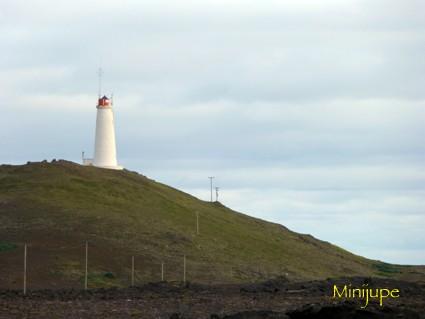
(100, 73)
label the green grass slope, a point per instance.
(55, 207)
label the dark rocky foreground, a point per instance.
(271, 299)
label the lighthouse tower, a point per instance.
(105, 153)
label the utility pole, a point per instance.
(211, 186)
(216, 193)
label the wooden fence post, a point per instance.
(197, 223)
(25, 269)
(86, 271)
(184, 269)
(132, 271)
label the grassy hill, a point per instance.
(56, 207)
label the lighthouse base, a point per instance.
(89, 162)
(117, 167)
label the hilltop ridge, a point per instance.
(55, 207)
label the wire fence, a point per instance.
(79, 266)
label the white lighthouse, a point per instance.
(105, 152)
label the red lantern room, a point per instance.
(103, 102)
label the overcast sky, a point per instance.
(309, 113)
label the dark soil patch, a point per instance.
(271, 299)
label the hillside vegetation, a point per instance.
(56, 207)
